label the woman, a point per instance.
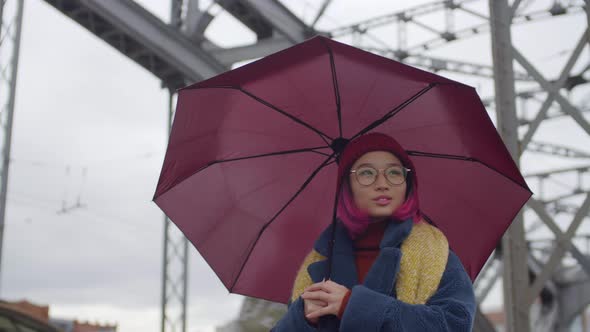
(391, 270)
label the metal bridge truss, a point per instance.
(546, 281)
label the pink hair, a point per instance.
(356, 221)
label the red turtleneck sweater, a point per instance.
(366, 250)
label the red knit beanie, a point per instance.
(368, 143)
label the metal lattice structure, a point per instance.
(538, 274)
(11, 17)
(174, 268)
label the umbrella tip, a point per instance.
(339, 144)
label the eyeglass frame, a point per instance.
(382, 171)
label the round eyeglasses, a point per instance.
(367, 175)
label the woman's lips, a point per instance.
(382, 200)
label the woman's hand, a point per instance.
(328, 292)
(310, 306)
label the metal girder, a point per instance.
(514, 7)
(265, 16)
(544, 174)
(481, 323)
(264, 47)
(573, 298)
(556, 207)
(487, 277)
(553, 89)
(438, 64)
(144, 38)
(556, 150)
(404, 16)
(540, 210)
(443, 38)
(563, 244)
(533, 94)
(565, 104)
(175, 247)
(536, 267)
(513, 243)
(587, 9)
(484, 27)
(196, 22)
(248, 17)
(320, 12)
(10, 42)
(175, 265)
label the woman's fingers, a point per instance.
(326, 286)
(316, 287)
(317, 295)
(316, 302)
(320, 312)
(327, 291)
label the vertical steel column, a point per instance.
(514, 249)
(175, 267)
(163, 318)
(587, 7)
(7, 109)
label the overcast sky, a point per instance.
(90, 125)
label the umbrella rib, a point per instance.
(394, 111)
(303, 186)
(250, 157)
(271, 106)
(335, 84)
(270, 154)
(457, 157)
(438, 155)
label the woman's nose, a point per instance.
(381, 181)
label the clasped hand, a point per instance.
(322, 298)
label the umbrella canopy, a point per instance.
(250, 171)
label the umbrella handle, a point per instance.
(333, 232)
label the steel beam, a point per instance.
(196, 22)
(545, 174)
(482, 323)
(320, 12)
(539, 209)
(565, 104)
(7, 110)
(271, 13)
(404, 15)
(556, 150)
(442, 38)
(574, 297)
(438, 64)
(513, 243)
(587, 10)
(552, 89)
(563, 244)
(487, 278)
(514, 7)
(131, 29)
(264, 47)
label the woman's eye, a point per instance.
(394, 172)
(366, 172)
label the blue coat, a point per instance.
(373, 305)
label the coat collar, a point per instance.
(383, 272)
(395, 234)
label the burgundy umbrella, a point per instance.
(250, 171)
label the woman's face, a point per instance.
(381, 198)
